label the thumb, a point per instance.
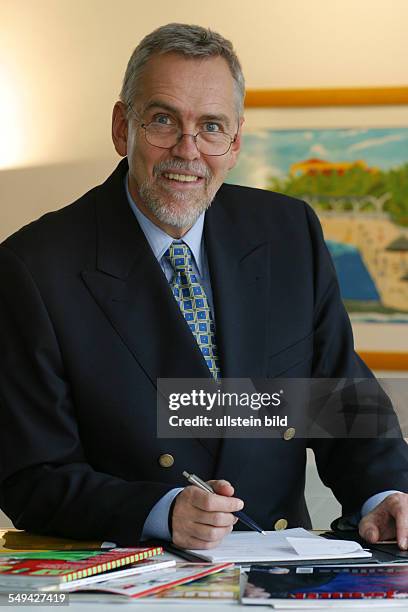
(222, 487)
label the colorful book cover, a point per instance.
(141, 567)
(220, 587)
(35, 569)
(326, 582)
(144, 585)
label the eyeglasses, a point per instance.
(167, 136)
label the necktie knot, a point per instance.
(179, 256)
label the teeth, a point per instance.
(186, 178)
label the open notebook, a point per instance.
(286, 545)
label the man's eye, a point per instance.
(210, 126)
(162, 120)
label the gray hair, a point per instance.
(192, 41)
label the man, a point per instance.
(93, 312)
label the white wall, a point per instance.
(63, 60)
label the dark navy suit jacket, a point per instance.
(87, 325)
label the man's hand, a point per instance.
(387, 521)
(201, 519)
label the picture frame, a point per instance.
(381, 346)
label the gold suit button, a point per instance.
(289, 433)
(166, 460)
(280, 524)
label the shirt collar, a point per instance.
(160, 241)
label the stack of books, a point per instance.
(51, 569)
(102, 571)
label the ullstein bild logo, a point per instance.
(228, 421)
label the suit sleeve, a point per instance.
(354, 468)
(46, 484)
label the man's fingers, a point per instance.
(184, 540)
(209, 533)
(211, 502)
(216, 519)
(205, 535)
(222, 487)
(377, 525)
(399, 509)
(215, 483)
(388, 520)
(369, 531)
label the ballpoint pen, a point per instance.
(244, 518)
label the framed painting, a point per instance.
(345, 152)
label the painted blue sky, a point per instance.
(271, 152)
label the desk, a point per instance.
(160, 607)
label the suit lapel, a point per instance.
(240, 279)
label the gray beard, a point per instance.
(181, 211)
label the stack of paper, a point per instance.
(286, 545)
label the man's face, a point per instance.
(174, 186)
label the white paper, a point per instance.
(318, 546)
(250, 546)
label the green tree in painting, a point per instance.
(354, 183)
(396, 183)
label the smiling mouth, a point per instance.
(183, 178)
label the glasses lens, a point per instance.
(213, 143)
(159, 135)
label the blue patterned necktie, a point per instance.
(193, 302)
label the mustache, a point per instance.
(193, 167)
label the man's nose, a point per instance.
(186, 147)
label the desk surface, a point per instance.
(160, 606)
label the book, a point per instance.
(141, 567)
(314, 585)
(143, 585)
(285, 545)
(41, 569)
(222, 587)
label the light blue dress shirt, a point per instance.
(156, 524)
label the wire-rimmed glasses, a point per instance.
(166, 136)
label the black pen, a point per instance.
(244, 518)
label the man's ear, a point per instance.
(236, 146)
(120, 128)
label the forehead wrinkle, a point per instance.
(160, 105)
